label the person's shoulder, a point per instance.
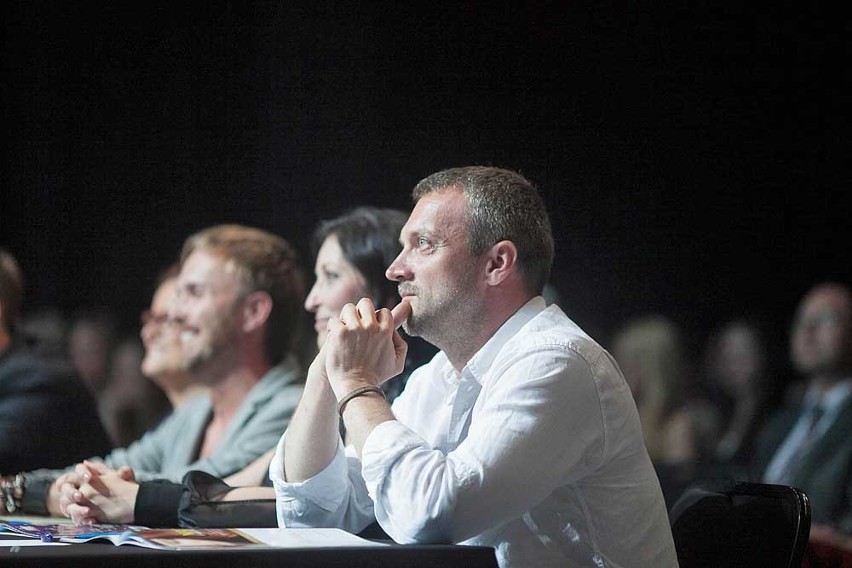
(286, 372)
(551, 329)
(785, 415)
(187, 411)
(21, 369)
(282, 382)
(777, 426)
(17, 361)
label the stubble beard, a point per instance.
(222, 333)
(198, 360)
(443, 320)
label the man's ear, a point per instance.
(256, 309)
(501, 262)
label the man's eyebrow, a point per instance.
(411, 233)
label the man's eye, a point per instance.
(423, 242)
(192, 291)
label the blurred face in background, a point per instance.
(739, 359)
(160, 337)
(337, 284)
(821, 342)
(88, 349)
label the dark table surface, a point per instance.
(105, 554)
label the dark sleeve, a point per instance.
(844, 523)
(201, 505)
(157, 503)
(48, 419)
(35, 495)
(769, 438)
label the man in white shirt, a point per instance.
(520, 434)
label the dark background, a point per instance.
(693, 157)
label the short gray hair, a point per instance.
(502, 205)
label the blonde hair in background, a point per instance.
(651, 355)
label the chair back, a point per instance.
(746, 524)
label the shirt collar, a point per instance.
(831, 399)
(480, 363)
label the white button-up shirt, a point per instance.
(535, 449)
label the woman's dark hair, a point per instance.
(369, 239)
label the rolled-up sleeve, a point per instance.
(336, 497)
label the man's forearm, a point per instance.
(313, 433)
(362, 414)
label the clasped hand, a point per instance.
(363, 347)
(95, 493)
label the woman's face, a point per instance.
(163, 352)
(337, 284)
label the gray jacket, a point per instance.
(169, 450)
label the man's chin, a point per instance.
(410, 328)
(197, 362)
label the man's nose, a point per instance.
(398, 270)
(176, 313)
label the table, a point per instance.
(107, 555)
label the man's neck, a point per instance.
(183, 391)
(228, 394)
(823, 382)
(460, 353)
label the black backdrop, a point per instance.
(693, 156)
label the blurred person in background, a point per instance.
(164, 363)
(148, 379)
(808, 445)
(44, 331)
(91, 337)
(47, 417)
(240, 292)
(740, 382)
(677, 426)
(131, 404)
(652, 356)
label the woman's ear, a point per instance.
(256, 309)
(501, 262)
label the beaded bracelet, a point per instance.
(12, 492)
(357, 392)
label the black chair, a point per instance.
(746, 524)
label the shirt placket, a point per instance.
(466, 394)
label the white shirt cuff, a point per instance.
(327, 489)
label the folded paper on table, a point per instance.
(178, 539)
